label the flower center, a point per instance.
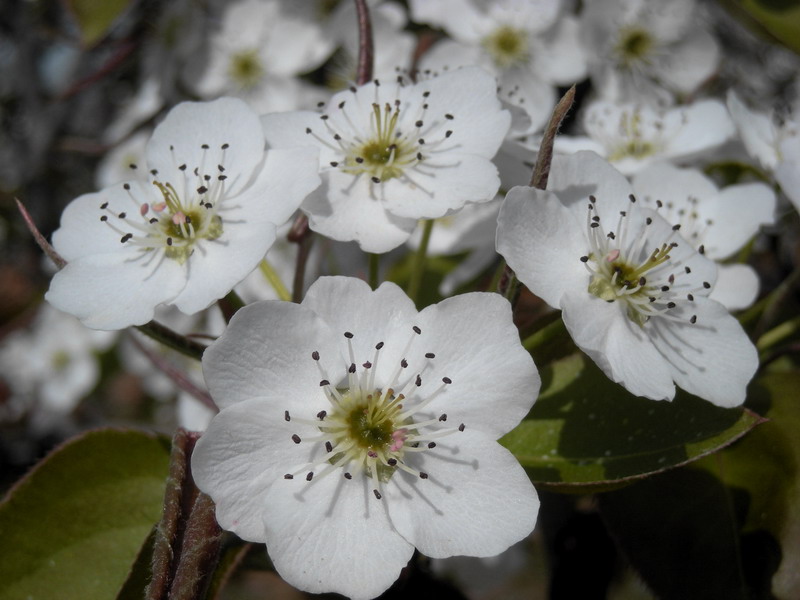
(388, 144)
(246, 69)
(176, 221)
(370, 430)
(634, 46)
(634, 140)
(624, 270)
(508, 46)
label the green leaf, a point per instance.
(779, 18)
(73, 527)
(586, 431)
(765, 466)
(680, 532)
(96, 18)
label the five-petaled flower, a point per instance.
(354, 428)
(633, 292)
(195, 227)
(392, 153)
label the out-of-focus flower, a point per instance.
(632, 136)
(775, 146)
(392, 153)
(715, 222)
(531, 47)
(647, 51)
(204, 222)
(633, 292)
(256, 55)
(354, 428)
(51, 366)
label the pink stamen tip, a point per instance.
(179, 218)
(612, 256)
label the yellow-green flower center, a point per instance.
(508, 46)
(635, 45)
(246, 69)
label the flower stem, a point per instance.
(271, 275)
(374, 269)
(229, 305)
(546, 334)
(419, 261)
(173, 340)
(366, 48)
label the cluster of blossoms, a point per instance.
(349, 428)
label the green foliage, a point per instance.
(780, 18)
(587, 433)
(73, 527)
(96, 18)
(764, 467)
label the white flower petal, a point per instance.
(477, 500)
(242, 453)
(333, 536)
(180, 138)
(737, 286)
(265, 353)
(541, 241)
(712, 358)
(483, 359)
(98, 289)
(620, 347)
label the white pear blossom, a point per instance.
(256, 54)
(202, 223)
(50, 366)
(354, 428)
(776, 146)
(632, 136)
(633, 292)
(395, 152)
(715, 222)
(530, 46)
(641, 50)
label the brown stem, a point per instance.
(366, 48)
(39, 238)
(301, 235)
(541, 172)
(200, 552)
(167, 531)
(176, 375)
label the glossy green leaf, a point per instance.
(586, 430)
(74, 526)
(96, 18)
(766, 467)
